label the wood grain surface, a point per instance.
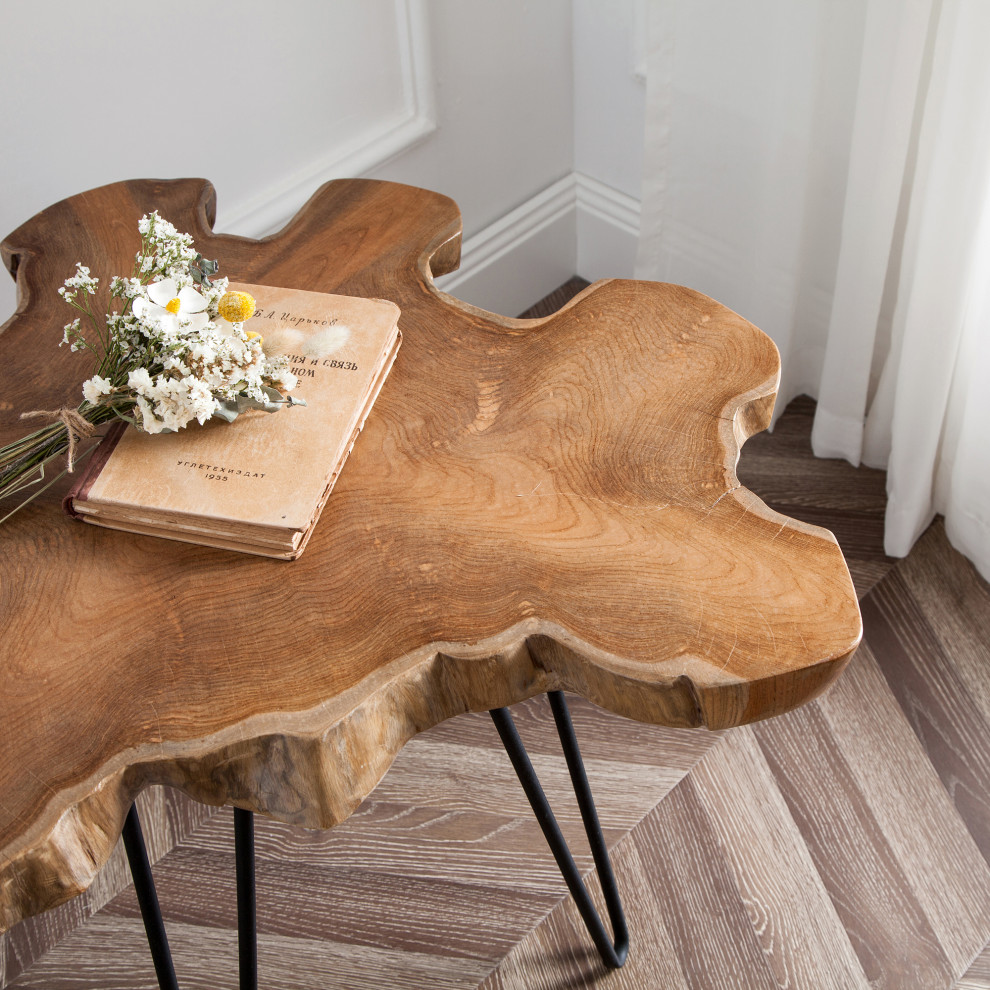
(533, 504)
(456, 836)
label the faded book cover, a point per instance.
(256, 484)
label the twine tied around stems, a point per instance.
(76, 427)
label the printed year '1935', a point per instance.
(217, 472)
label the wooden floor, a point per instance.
(842, 846)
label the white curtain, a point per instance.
(823, 168)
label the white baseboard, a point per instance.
(577, 226)
(607, 230)
(509, 265)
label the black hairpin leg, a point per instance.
(144, 885)
(613, 954)
(247, 930)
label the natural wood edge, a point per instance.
(441, 259)
(11, 257)
(313, 768)
(497, 319)
(745, 416)
(17, 250)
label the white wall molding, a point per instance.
(506, 266)
(607, 230)
(272, 207)
(607, 204)
(576, 226)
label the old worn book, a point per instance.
(257, 484)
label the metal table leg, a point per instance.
(613, 954)
(247, 928)
(613, 951)
(144, 885)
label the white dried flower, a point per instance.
(95, 388)
(71, 332)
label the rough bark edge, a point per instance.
(314, 768)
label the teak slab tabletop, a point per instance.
(533, 505)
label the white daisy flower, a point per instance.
(172, 308)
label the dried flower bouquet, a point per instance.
(173, 350)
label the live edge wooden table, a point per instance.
(533, 506)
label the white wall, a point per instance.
(529, 114)
(588, 221)
(505, 134)
(502, 73)
(609, 104)
(244, 94)
(269, 100)
(610, 92)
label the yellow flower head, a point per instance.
(236, 307)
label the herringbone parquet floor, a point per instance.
(844, 845)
